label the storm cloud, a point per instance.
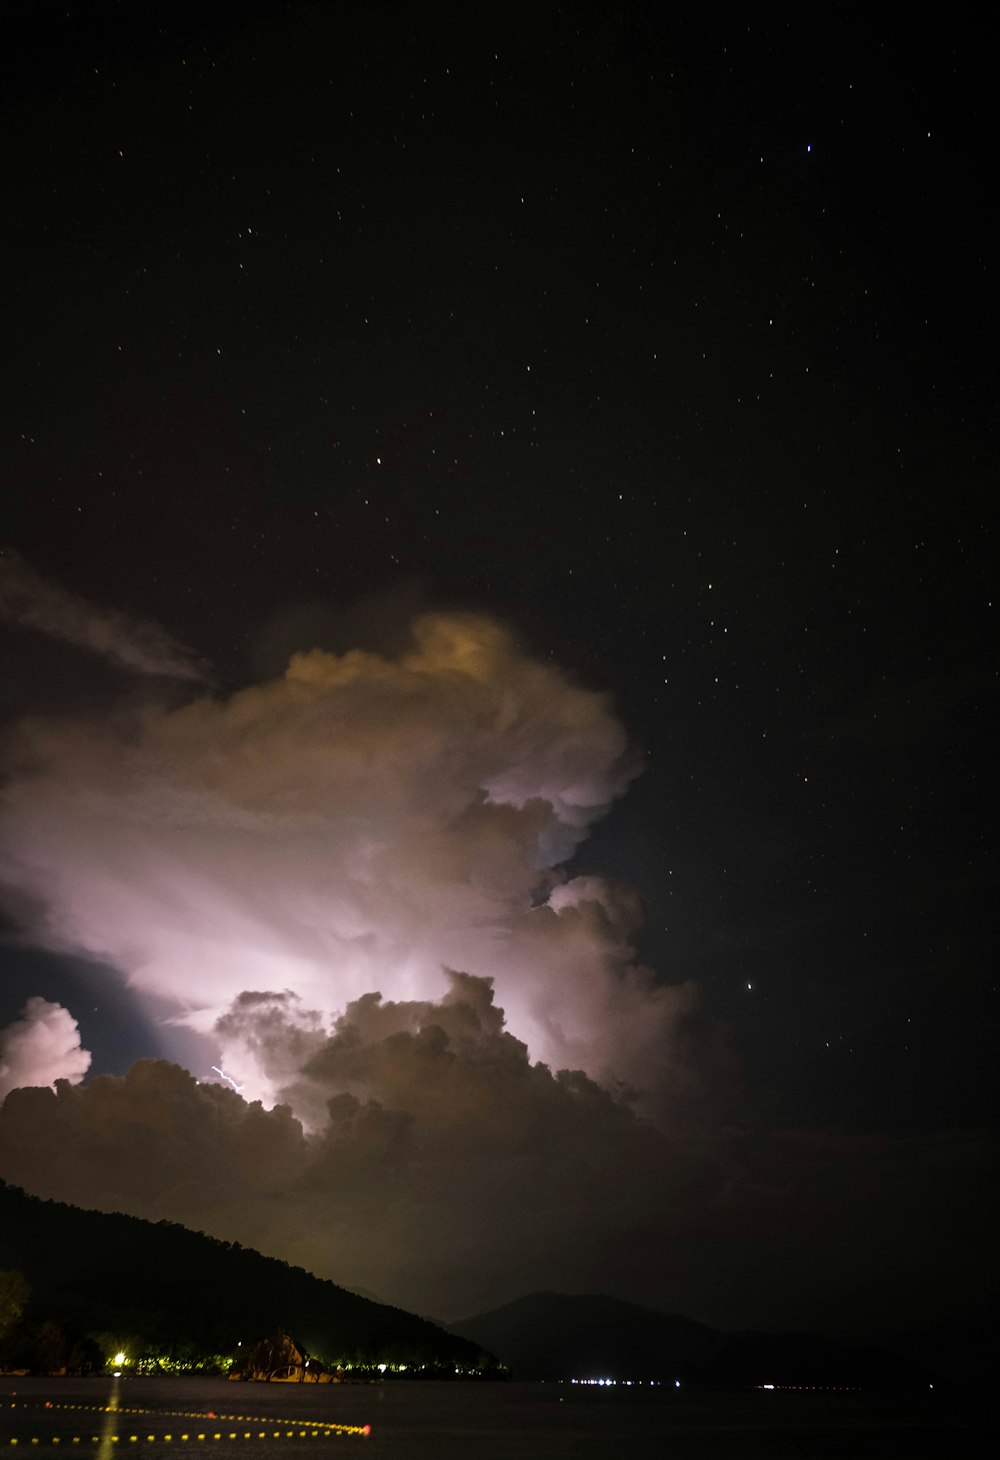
(362, 823)
(459, 1082)
(446, 1172)
(439, 1151)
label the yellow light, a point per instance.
(119, 1358)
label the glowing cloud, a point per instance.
(41, 1047)
(362, 823)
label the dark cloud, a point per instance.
(446, 1171)
(35, 602)
(442, 1152)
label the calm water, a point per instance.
(438, 1421)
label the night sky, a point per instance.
(652, 350)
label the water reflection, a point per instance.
(109, 1429)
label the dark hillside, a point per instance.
(97, 1272)
(586, 1336)
(560, 1335)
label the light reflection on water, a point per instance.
(109, 1425)
(467, 1421)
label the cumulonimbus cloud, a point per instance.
(41, 1047)
(362, 823)
(29, 599)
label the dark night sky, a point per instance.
(664, 336)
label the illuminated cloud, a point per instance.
(363, 823)
(28, 599)
(41, 1047)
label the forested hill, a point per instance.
(167, 1289)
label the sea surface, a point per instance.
(471, 1421)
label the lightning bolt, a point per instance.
(228, 1078)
